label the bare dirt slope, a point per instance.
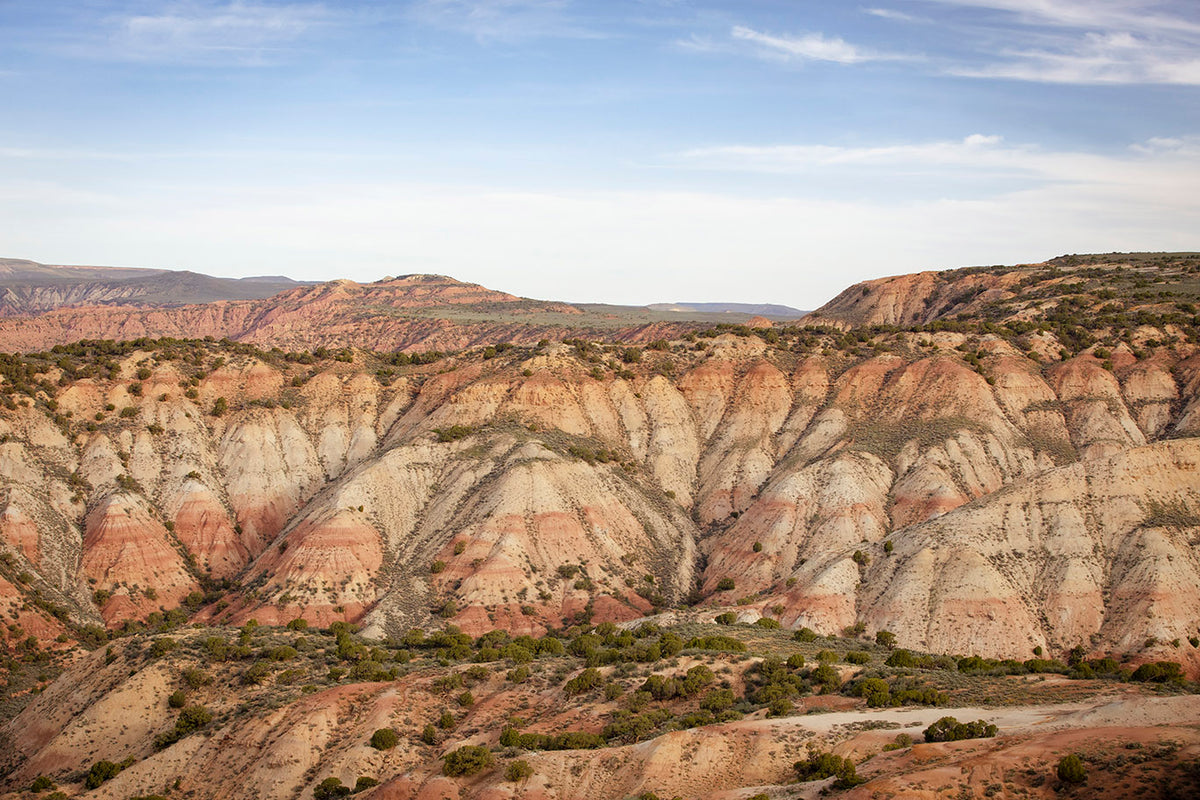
(269, 737)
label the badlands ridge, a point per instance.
(985, 462)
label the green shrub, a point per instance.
(728, 618)
(363, 783)
(257, 673)
(518, 770)
(41, 784)
(858, 657)
(330, 788)
(177, 699)
(384, 739)
(885, 639)
(1158, 672)
(1071, 769)
(827, 677)
(768, 623)
(466, 760)
(100, 772)
(192, 718)
(725, 585)
(585, 681)
(948, 729)
(453, 433)
(805, 635)
(162, 646)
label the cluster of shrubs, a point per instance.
(333, 787)
(820, 765)
(948, 729)
(883, 693)
(1077, 667)
(773, 683)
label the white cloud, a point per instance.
(890, 13)
(809, 47)
(212, 32)
(1134, 15)
(503, 20)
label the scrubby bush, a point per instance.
(583, 682)
(100, 772)
(384, 739)
(725, 585)
(518, 770)
(41, 784)
(330, 788)
(162, 646)
(1071, 769)
(466, 760)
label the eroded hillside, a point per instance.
(989, 491)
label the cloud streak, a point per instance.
(210, 33)
(1165, 168)
(809, 47)
(505, 21)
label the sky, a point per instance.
(624, 151)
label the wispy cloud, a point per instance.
(504, 20)
(1130, 15)
(890, 13)
(809, 47)
(209, 32)
(1096, 58)
(1098, 42)
(1167, 164)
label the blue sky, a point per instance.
(626, 151)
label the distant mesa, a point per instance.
(768, 310)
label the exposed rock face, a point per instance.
(1038, 506)
(128, 553)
